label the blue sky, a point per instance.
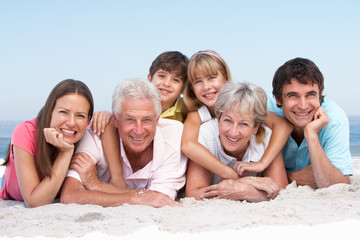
(104, 42)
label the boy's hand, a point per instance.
(245, 168)
(100, 121)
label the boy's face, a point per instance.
(169, 85)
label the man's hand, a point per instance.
(321, 119)
(155, 199)
(85, 166)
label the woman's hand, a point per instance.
(265, 184)
(100, 121)
(56, 139)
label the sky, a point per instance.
(106, 41)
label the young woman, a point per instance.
(41, 149)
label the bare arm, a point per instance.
(111, 146)
(303, 177)
(325, 173)
(198, 153)
(198, 178)
(35, 192)
(93, 191)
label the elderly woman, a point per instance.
(237, 135)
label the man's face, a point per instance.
(299, 103)
(136, 124)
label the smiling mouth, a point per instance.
(137, 139)
(68, 131)
(209, 95)
(164, 91)
(233, 139)
(302, 114)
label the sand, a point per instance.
(298, 212)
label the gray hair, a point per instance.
(135, 88)
(253, 100)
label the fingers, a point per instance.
(100, 120)
(55, 138)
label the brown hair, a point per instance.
(45, 152)
(171, 61)
(303, 70)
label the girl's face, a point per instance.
(70, 117)
(207, 88)
(235, 131)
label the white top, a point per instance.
(209, 138)
(165, 173)
(204, 114)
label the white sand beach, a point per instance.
(296, 213)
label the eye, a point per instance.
(81, 116)
(244, 124)
(177, 80)
(197, 82)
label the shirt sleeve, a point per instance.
(91, 145)
(170, 177)
(335, 142)
(24, 137)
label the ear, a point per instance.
(256, 129)
(149, 77)
(115, 121)
(278, 102)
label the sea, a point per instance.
(6, 128)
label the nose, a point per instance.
(302, 103)
(166, 81)
(139, 128)
(234, 130)
(71, 120)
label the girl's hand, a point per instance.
(245, 168)
(100, 121)
(56, 139)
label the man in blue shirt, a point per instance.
(317, 153)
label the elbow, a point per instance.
(66, 197)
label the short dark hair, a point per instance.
(171, 61)
(303, 70)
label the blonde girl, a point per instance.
(207, 73)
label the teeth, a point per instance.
(232, 139)
(301, 114)
(209, 95)
(138, 139)
(67, 131)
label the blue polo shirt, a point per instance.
(334, 139)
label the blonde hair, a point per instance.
(209, 63)
(252, 100)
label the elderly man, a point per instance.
(317, 152)
(152, 162)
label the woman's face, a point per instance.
(235, 131)
(207, 88)
(70, 117)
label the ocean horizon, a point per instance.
(7, 127)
